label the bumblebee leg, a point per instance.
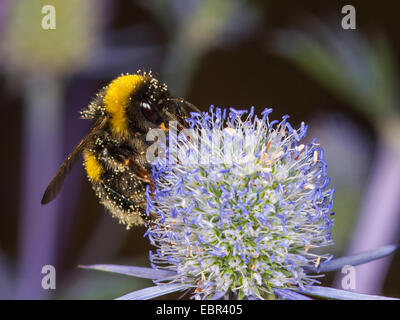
(127, 157)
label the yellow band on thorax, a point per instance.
(116, 99)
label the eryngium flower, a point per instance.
(242, 206)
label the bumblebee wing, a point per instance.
(55, 184)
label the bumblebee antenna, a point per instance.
(188, 104)
(192, 106)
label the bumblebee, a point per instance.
(114, 150)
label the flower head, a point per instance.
(240, 207)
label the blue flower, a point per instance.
(239, 207)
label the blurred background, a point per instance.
(294, 57)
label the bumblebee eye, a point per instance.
(150, 113)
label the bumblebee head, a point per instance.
(140, 102)
(153, 106)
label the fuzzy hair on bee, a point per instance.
(114, 150)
